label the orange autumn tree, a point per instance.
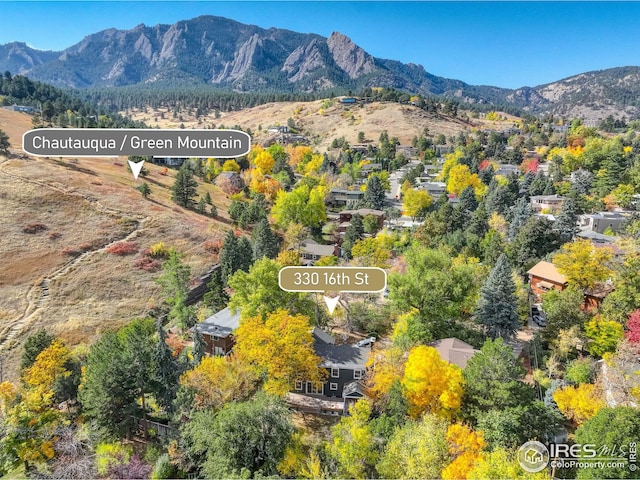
(579, 403)
(431, 384)
(466, 447)
(280, 349)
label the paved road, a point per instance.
(394, 182)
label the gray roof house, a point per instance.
(217, 331)
(454, 351)
(346, 366)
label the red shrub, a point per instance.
(123, 248)
(213, 246)
(54, 235)
(148, 264)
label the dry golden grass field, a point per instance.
(60, 277)
(324, 124)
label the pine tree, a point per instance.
(245, 254)
(374, 195)
(228, 257)
(144, 189)
(497, 306)
(207, 198)
(184, 188)
(538, 184)
(199, 346)
(468, 200)
(4, 143)
(265, 243)
(167, 371)
(520, 213)
(201, 207)
(216, 297)
(213, 213)
(566, 224)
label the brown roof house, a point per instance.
(454, 351)
(544, 276)
(217, 331)
(547, 203)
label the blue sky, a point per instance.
(507, 44)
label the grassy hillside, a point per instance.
(323, 121)
(60, 276)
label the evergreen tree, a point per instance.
(236, 210)
(527, 180)
(207, 198)
(229, 257)
(374, 195)
(199, 346)
(245, 254)
(520, 213)
(202, 205)
(4, 143)
(534, 240)
(175, 282)
(566, 223)
(183, 191)
(213, 212)
(35, 344)
(216, 296)
(265, 243)
(582, 181)
(538, 185)
(167, 370)
(497, 306)
(487, 175)
(468, 200)
(144, 189)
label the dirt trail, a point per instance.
(38, 295)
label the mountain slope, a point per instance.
(216, 51)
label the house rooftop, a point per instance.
(454, 351)
(547, 271)
(363, 212)
(220, 324)
(314, 248)
(595, 236)
(547, 198)
(339, 356)
(321, 336)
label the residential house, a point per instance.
(344, 217)
(311, 251)
(341, 197)
(369, 168)
(217, 331)
(547, 203)
(544, 276)
(348, 100)
(234, 179)
(506, 169)
(435, 189)
(601, 221)
(23, 109)
(407, 150)
(454, 351)
(278, 129)
(168, 161)
(345, 365)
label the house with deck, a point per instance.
(346, 367)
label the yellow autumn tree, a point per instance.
(370, 252)
(264, 162)
(460, 177)
(219, 380)
(49, 365)
(297, 154)
(230, 166)
(450, 161)
(313, 165)
(280, 349)
(582, 264)
(415, 201)
(466, 447)
(579, 403)
(353, 445)
(431, 384)
(386, 367)
(264, 184)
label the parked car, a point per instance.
(540, 320)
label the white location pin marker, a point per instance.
(331, 303)
(136, 168)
